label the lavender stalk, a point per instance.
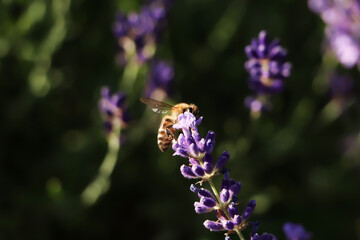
(268, 69)
(223, 203)
(115, 117)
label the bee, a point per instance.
(166, 132)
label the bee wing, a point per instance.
(157, 106)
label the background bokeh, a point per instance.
(300, 161)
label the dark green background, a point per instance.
(293, 160)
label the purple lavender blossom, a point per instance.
(113, 109)
(140, 30)
(190, 145)
(294, 231)
(159, 83)
(342, 30)
(224, 203)
(267, 64)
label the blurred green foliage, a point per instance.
(300, 161)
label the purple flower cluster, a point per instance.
(197, 150)
(113, 109)
(342, 28)
(137, 33)
(160, 79)
(294, 231)
(268, 69)
(266, 65)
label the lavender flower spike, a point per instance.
(197, 150)
(113, 109)
(267, 64)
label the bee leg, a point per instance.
(170, 133)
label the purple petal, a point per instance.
(222, 160)
(208, 163)
(233, 210)
(205, 193)
(187, 172)
(208, 202)
(213, 226)
(198, 170)
(209, 141)
(228, 225)
(235, 188)
(249, 209)
(200, 208)
(224, 195)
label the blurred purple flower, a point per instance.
(267, 64)
(160, 79)
(294, 231)
(341, 87)
(113, 109)
(342, 31)
(268, 69)
(257, 104)
(137, 33)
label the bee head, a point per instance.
(194, 110)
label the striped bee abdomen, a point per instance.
(166, 133)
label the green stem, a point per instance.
(102, 181)
(223, 207)
(129, 75)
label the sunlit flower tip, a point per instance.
(198, 170)
(266, 64)
(209, 142)
(206, 205)
(237, 219)
(227, 238)
(222, 160)
(249, 209)
(294, 231)
(214, 226)
(264, 236)
(202, 192)
(179, 151)
(229, 188)
(208, 163)
(233, 210)
(187, 172)
(208, 202)
(228, 224)
(194, 189)
(224, 195)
